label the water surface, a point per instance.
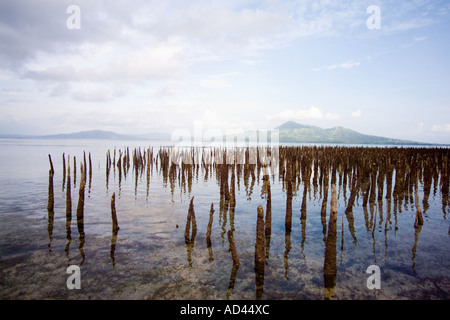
(401, 226)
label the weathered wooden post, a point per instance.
(64, 171)
(259, 253)
(80, 213)
(190, 221)
(210, 222)
(329, 267)
(115, 228)
(51, 201)
(234, 255)
(90, 170)
(50, 186)
(115, 224)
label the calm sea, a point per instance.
(149, 258)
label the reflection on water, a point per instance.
(68, 209)
(51, 202)
(276, 232)
(80, 213)
(329, 267)
(115, 227)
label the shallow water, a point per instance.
(149, 258)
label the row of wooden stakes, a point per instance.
(373, 173)
(80, 205)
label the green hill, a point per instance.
(299, 133)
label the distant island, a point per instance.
(299, 133)
(96, 134)
(92, 134)
(289, 132)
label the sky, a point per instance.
(135, 67)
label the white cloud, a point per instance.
(252, 62)
(297, 115)
(441, 128)
(153, 62)
(215, 83)
(311, 114)
(150, 62)
(418, 39)
(170, 89)
(332, 67)
(153, 30)
(330, 116)
(98, 95)
(349, 64)
(218, 81)
(126, 55)
(414, 41)
(356, 114)
(344, 65)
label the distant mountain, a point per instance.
(95, 134)
(92, 134)
(289, 132)
(293, 125)
(299, 133)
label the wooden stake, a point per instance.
(113, 213)
(259, 253)
(80, 206)
(50, 201)
(50, 186)
(260, 239)
(64, 171)
(190, 221)
(68, 193)
(234, 255)
(208, 231)
(330, 268)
